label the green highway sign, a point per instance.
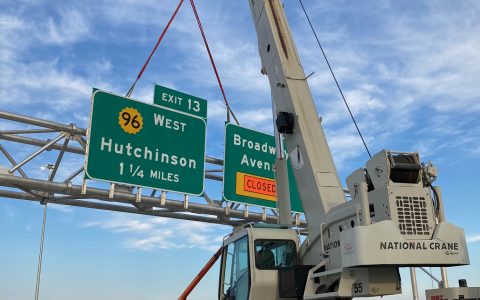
(176, 100)
(135, 143)
(248, 169)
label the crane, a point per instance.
(395, 217)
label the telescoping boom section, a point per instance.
(395, 217)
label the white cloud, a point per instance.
(474, 238)
(122, 224)
(240, 64)
(216, 110)
(60, 208)
(259, 119)
(411, 79)
(71, 27)
(144, 94)
(9, 211)
(136, 13)
(155, 233)
(10, 26)
(440, 76)
(402, 78)
(27, 80)
(48, 82)
(162, 240)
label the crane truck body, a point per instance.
(395, 217)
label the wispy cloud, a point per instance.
(121, 224)
(60, 208)
(216, 110)
(410, 72)
(70, 27)
(473, 238)
(398, 73)
(9, 211)
(402, 73)
(27, 80)
(10, 26)
(259, 119)
(154, 234)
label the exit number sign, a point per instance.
(179, 101)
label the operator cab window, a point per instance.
(236, 275)
(275, 254)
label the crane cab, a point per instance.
(252, 258)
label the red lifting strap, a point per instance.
(206, 46)
(211, 60)
(155, 48)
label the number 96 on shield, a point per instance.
(130, 120)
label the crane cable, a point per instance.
(334, 78)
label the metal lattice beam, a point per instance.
(118, 199)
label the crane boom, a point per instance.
(319, 185)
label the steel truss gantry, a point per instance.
(63, 138)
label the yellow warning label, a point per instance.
(256, 186)
(130, 120)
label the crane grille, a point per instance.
(412, 215)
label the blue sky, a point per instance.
(409, 69)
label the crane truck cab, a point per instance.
(256, 253)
